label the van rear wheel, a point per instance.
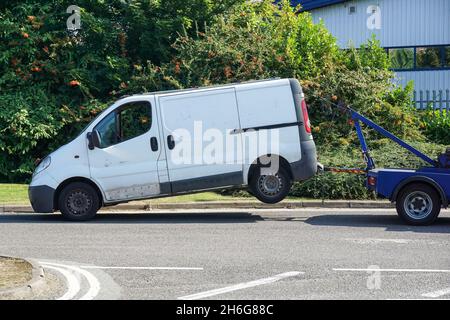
(271, 188)
(78, 201)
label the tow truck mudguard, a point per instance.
(421, 179)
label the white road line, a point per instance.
(94, 284)
(141, 268)
(377, 241)
(392, 270)
(437, 294)
(240, 286)
(73, 285)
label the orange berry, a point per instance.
(25, 35)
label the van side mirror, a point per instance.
(93, 140)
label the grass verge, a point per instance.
(14, 272)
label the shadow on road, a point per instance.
(132, 218)
(390, 222)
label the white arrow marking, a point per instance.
(240, 286)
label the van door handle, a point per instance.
(170, 142)
(154, 143)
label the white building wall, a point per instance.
(438, 80)
(403, 22)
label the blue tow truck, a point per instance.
(420, 193)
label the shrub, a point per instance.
(254, 41)
(436, 126)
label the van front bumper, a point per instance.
(41, 198)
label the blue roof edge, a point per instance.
(308, 5)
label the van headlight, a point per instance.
(43, 165)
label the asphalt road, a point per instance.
(241, 254)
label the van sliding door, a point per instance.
(201, 151)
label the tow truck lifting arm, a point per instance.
(356, 117)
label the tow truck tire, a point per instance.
(270, 188)
(418, 204)
(78, 201)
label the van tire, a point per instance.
(270, 188)
(78, 201)
(418, 204)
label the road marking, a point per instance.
(141, 268)
(73, 285)
(377, 241)
(437, 294)
(241, 286)
(94, 284)
(392, 270)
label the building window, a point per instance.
(402, 58)
(447, 57)
(419, 58)
(428, 58)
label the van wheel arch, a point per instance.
(76, 179)
(283, 163)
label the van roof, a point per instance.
(203, 88)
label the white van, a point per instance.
(254, 134)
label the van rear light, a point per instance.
(306, 122)
(372, 181)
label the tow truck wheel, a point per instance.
(418, 204)
(78, 201)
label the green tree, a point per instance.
(52, 83)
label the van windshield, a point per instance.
(96, 117)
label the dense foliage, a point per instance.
(53, 82)
(436, 125)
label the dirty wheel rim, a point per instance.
(270, 185)
(79, 202)
(418, 205)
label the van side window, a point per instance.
(135, 119)
(125, 123)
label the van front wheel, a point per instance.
(271, 188)
(78, 201)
